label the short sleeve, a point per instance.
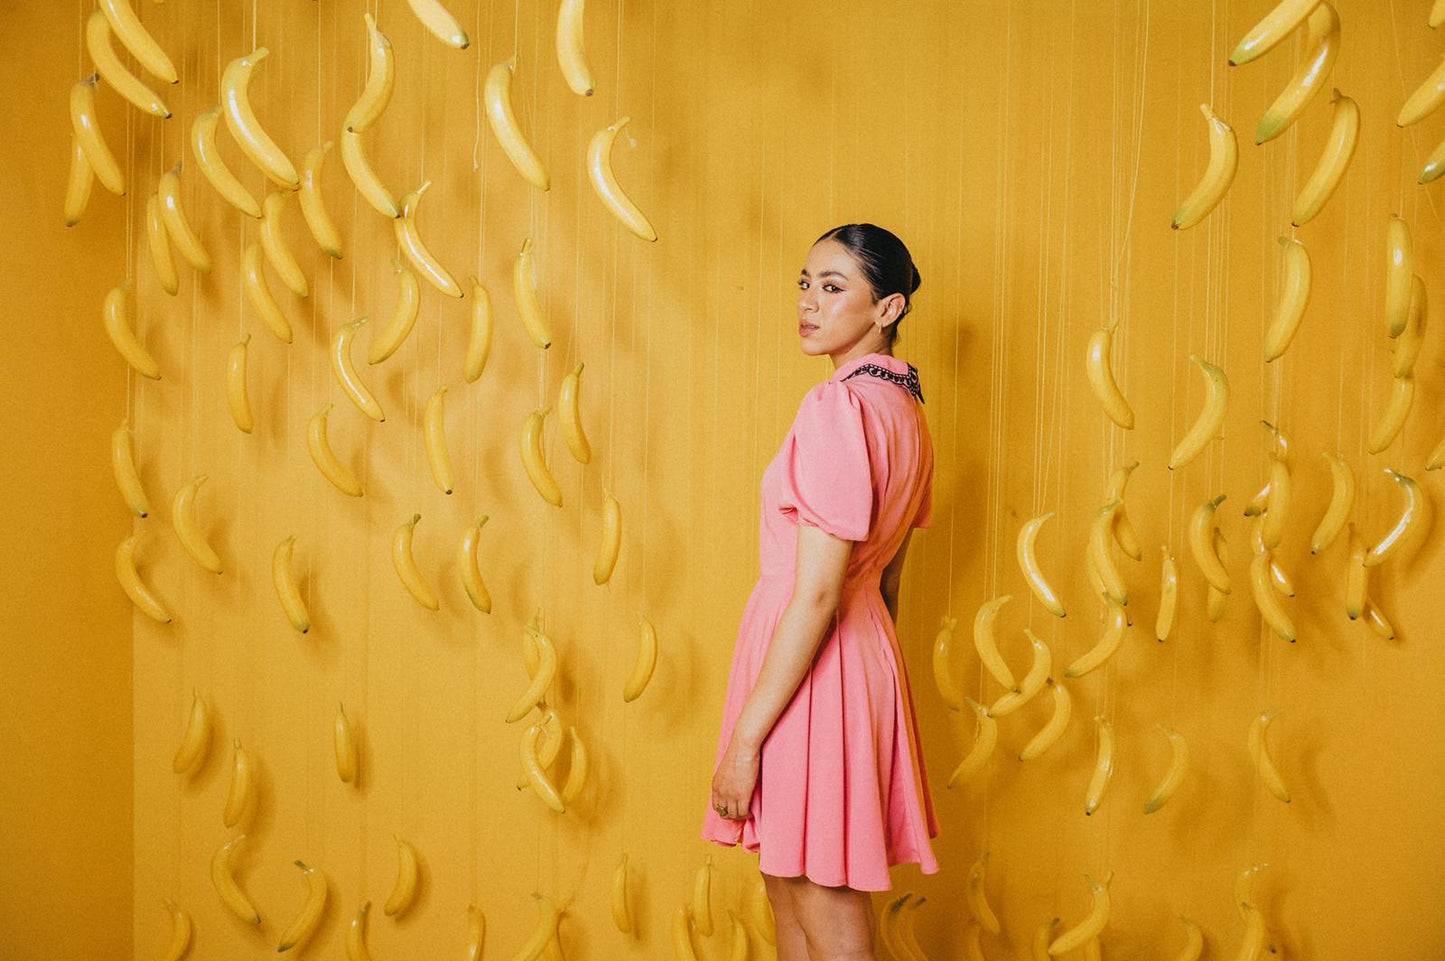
(826, 478)
(924, 517)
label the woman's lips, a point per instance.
(806, 329)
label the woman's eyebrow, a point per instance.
(826, 273)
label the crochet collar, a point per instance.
(884, 366)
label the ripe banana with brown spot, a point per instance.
(1174, 776)
(213, 166)
(190, 756)
(983, 745)
(131, 583)
(1404, 526)
(241, 120)
(318, 445)
(113, 71)
(258, 293)
(283, 576)
(127, 475)
(1322, 49)
(535, 461)
(178, 226)
(225, 884)
(1102, 776)
(1259, 754)
(1028, 562)
(188, 528)
(119, 327)
(1334, 161)
(86, 127)
(1217, 177)
(278, 253)
(497, 96)
(1293, 299)
(404, 889)
(604, 182)
(345, 371)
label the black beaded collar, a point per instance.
(908, 380)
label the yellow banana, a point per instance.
(1399, 274)
(577, 772)
(313, 204)
(1276, 25)
(983, 745)
(621, 913)
(1174, 776)
(77, 184)
(905, 934)
(1218, 175)
(1398, 534)
(1256, 937)
(183, 518)
(740, 938)
(1214, 607)
(1123, 530)
(180, 931)
(1339, 150)
(134, 587)
(543, 939)
(476, 929)
(1377, 620)
(380, 78)
(1411, 339)
(524, 290)
(646, 660)
(367, 183)
(985, 641)
(1168, 595)
(159, 244)
(86, 128)
(405, 563)
(1402, 397)
(1211, 416)
(1425, 100)
(213, 165)
(681, 937)
(571, 56)
(977, 898)
(1292, 300)
(1039, 944)
(127, 475)
(1033, 681)
(1108, 644)
(135, 38)
(237, 398)
(762, 911)
(1244, 888)
(439, 22)
(611, 541)
(1437, 13)
(1099, 539)
(356, 935)
(1054, 729)
(1322, 48)
(1436, 460)
(118, 327)
(178, 227)
(701, 904)
(567, 408)
(438, 457)
(1259, 754)
(408, 237)
(534, 460)
(289, 592)
(1277, 506)
(114, 72)
(535, 775)
(1089, 928)
(942, 669)
(1434, 165)
(1102, 382)
(497, 95)
(972, 947)
(604, 181)
(278, 254)
(471, 570)
(1028, 561)
(888, 925)
(1201, 526)
(1266, 599)
(541, 680)
(318, 445)
(190, 756)
(1342, 500)
(1193, 941)
(1358, 578)
(241, 799)
(241, 120)
(225, 884)
(344, 743)
(479, 343)
(305, 923)
(1103, 773)
(345, 371)
(258, 293)
(403, 890)
(403, 318)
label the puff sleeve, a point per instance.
(827, 481)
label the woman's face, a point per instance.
(836, 308)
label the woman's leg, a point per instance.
(792, 943)
(838, 921)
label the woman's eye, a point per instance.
(832, 288)
(802, 285)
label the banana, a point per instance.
(1193, 941)
(1377, 620)
(1436, 460)
(1201, 526)
(646, 660)
(237, 398)
(1411, 339)
(438, 457)
(380, 78)
(1402, 397)
(524, 291)
(621, 913)
(259, 295)
(1214, 605)
(183, 518)
(1211, 416)
(476, 930)
(972, 948)
(1174, 776)
(118, 327)
(888, 925)
(479, 342)
(180, 931)
(1039, 944)
(1218, 175)
(190, 756)
(1054, 729)
(213, 165)
(1103, 772)
(159, 244)
(604, 181)
(403, 318)
(241, 120)
(356, 935)
(1266, 599)
(534, 460)
(1168, 595)
(344, 742)
(701, 904)
(571, 56)
(543, 938)
(225, 882)
(1277, 506)
(1357, 580)
(1089, 928)
(1257, 503)
(1322, 48)
(1434, 165)
(405, 563)
(305, 923)
(178, 227)
(367, 183)
(86, 128)
(1028, 561)
(1093, 951)
(1399, 274)
(1437, 14)
(1400, 533)
(135, 38)
(985, 641)
(1256, 937)
(289, 592)
(977, 898)
(541, 679)
(535, 775)
(762, 911)
(611, 540)
(1276, 25)
(1102, 382)
(1099, 538)
(551, 744)
(904, 931)
(1123, 530)
(470, 568)
(77, 184)
(1032, 683)
(318, 445)
(127, 475)
(1425, 100)
(439, 21)
(681, 938)
(1292, 300)
(1108, 644)
(114, 72)
(1342, 500)
(313, 204)
(577, 772)
(740, 938)
(134, 587)
(345, 371)
(1339, 151)
(241, 799)
(497, 95)
(403, 890)
(1259, 754)
(942, 669)
(983, 745)
(408, 237)
(567, 407)
(1244, 888)
(278, 254)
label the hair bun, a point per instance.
(917, 279)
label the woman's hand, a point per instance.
(734, 780)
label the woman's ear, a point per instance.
(891, 308)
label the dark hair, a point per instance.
(886, 264)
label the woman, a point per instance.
(819, 765)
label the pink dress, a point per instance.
(842, 791)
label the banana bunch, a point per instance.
(207, 152)
(404, 889)
(120, 328)
(404, 561)
(470, 567)
(1322, 48)
(1029, 564)
(113, 70)
(247, 131)
(645, 661)
(983, 744)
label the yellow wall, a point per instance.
(1031, 155)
